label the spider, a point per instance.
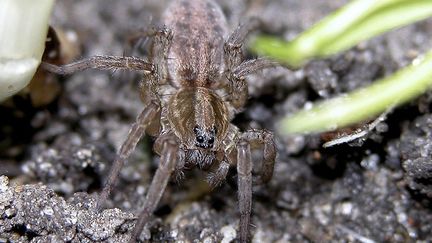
(194, 57)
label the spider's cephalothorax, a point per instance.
(199, 118)
(202, 64)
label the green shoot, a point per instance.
(364, 103)
(353, 23)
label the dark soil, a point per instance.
(54, 158)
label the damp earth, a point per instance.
(54, 158)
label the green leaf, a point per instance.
(365, 103)
(357, 21)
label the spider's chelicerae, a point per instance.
(196, 59)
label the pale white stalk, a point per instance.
(23, 29)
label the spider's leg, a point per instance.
(244, 170)
(233, 45)
(263, 137)
(134, 38)
(236, 70)
(233, 54)
(135, 133)
(251, 66)
(157, 187)
(102, 63)
(160, 48)
(225, 158)
(152, 80)
(238, 88)
(148, 119)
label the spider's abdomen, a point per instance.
(199, 28)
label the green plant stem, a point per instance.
(357, 21)
(365, 103)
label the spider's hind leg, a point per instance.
(236, 68)
(233, 45)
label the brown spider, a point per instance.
(194, 58)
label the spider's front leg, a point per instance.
(143, 120)
(149, 94)
(244, 170)
(263, 137)
(135, 133)
(167, 164)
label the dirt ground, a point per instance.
(54, 158)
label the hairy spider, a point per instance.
(193, 57)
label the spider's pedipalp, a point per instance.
(216, 178)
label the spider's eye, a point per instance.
(211, 140)
(200, 139)
(196, 129)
